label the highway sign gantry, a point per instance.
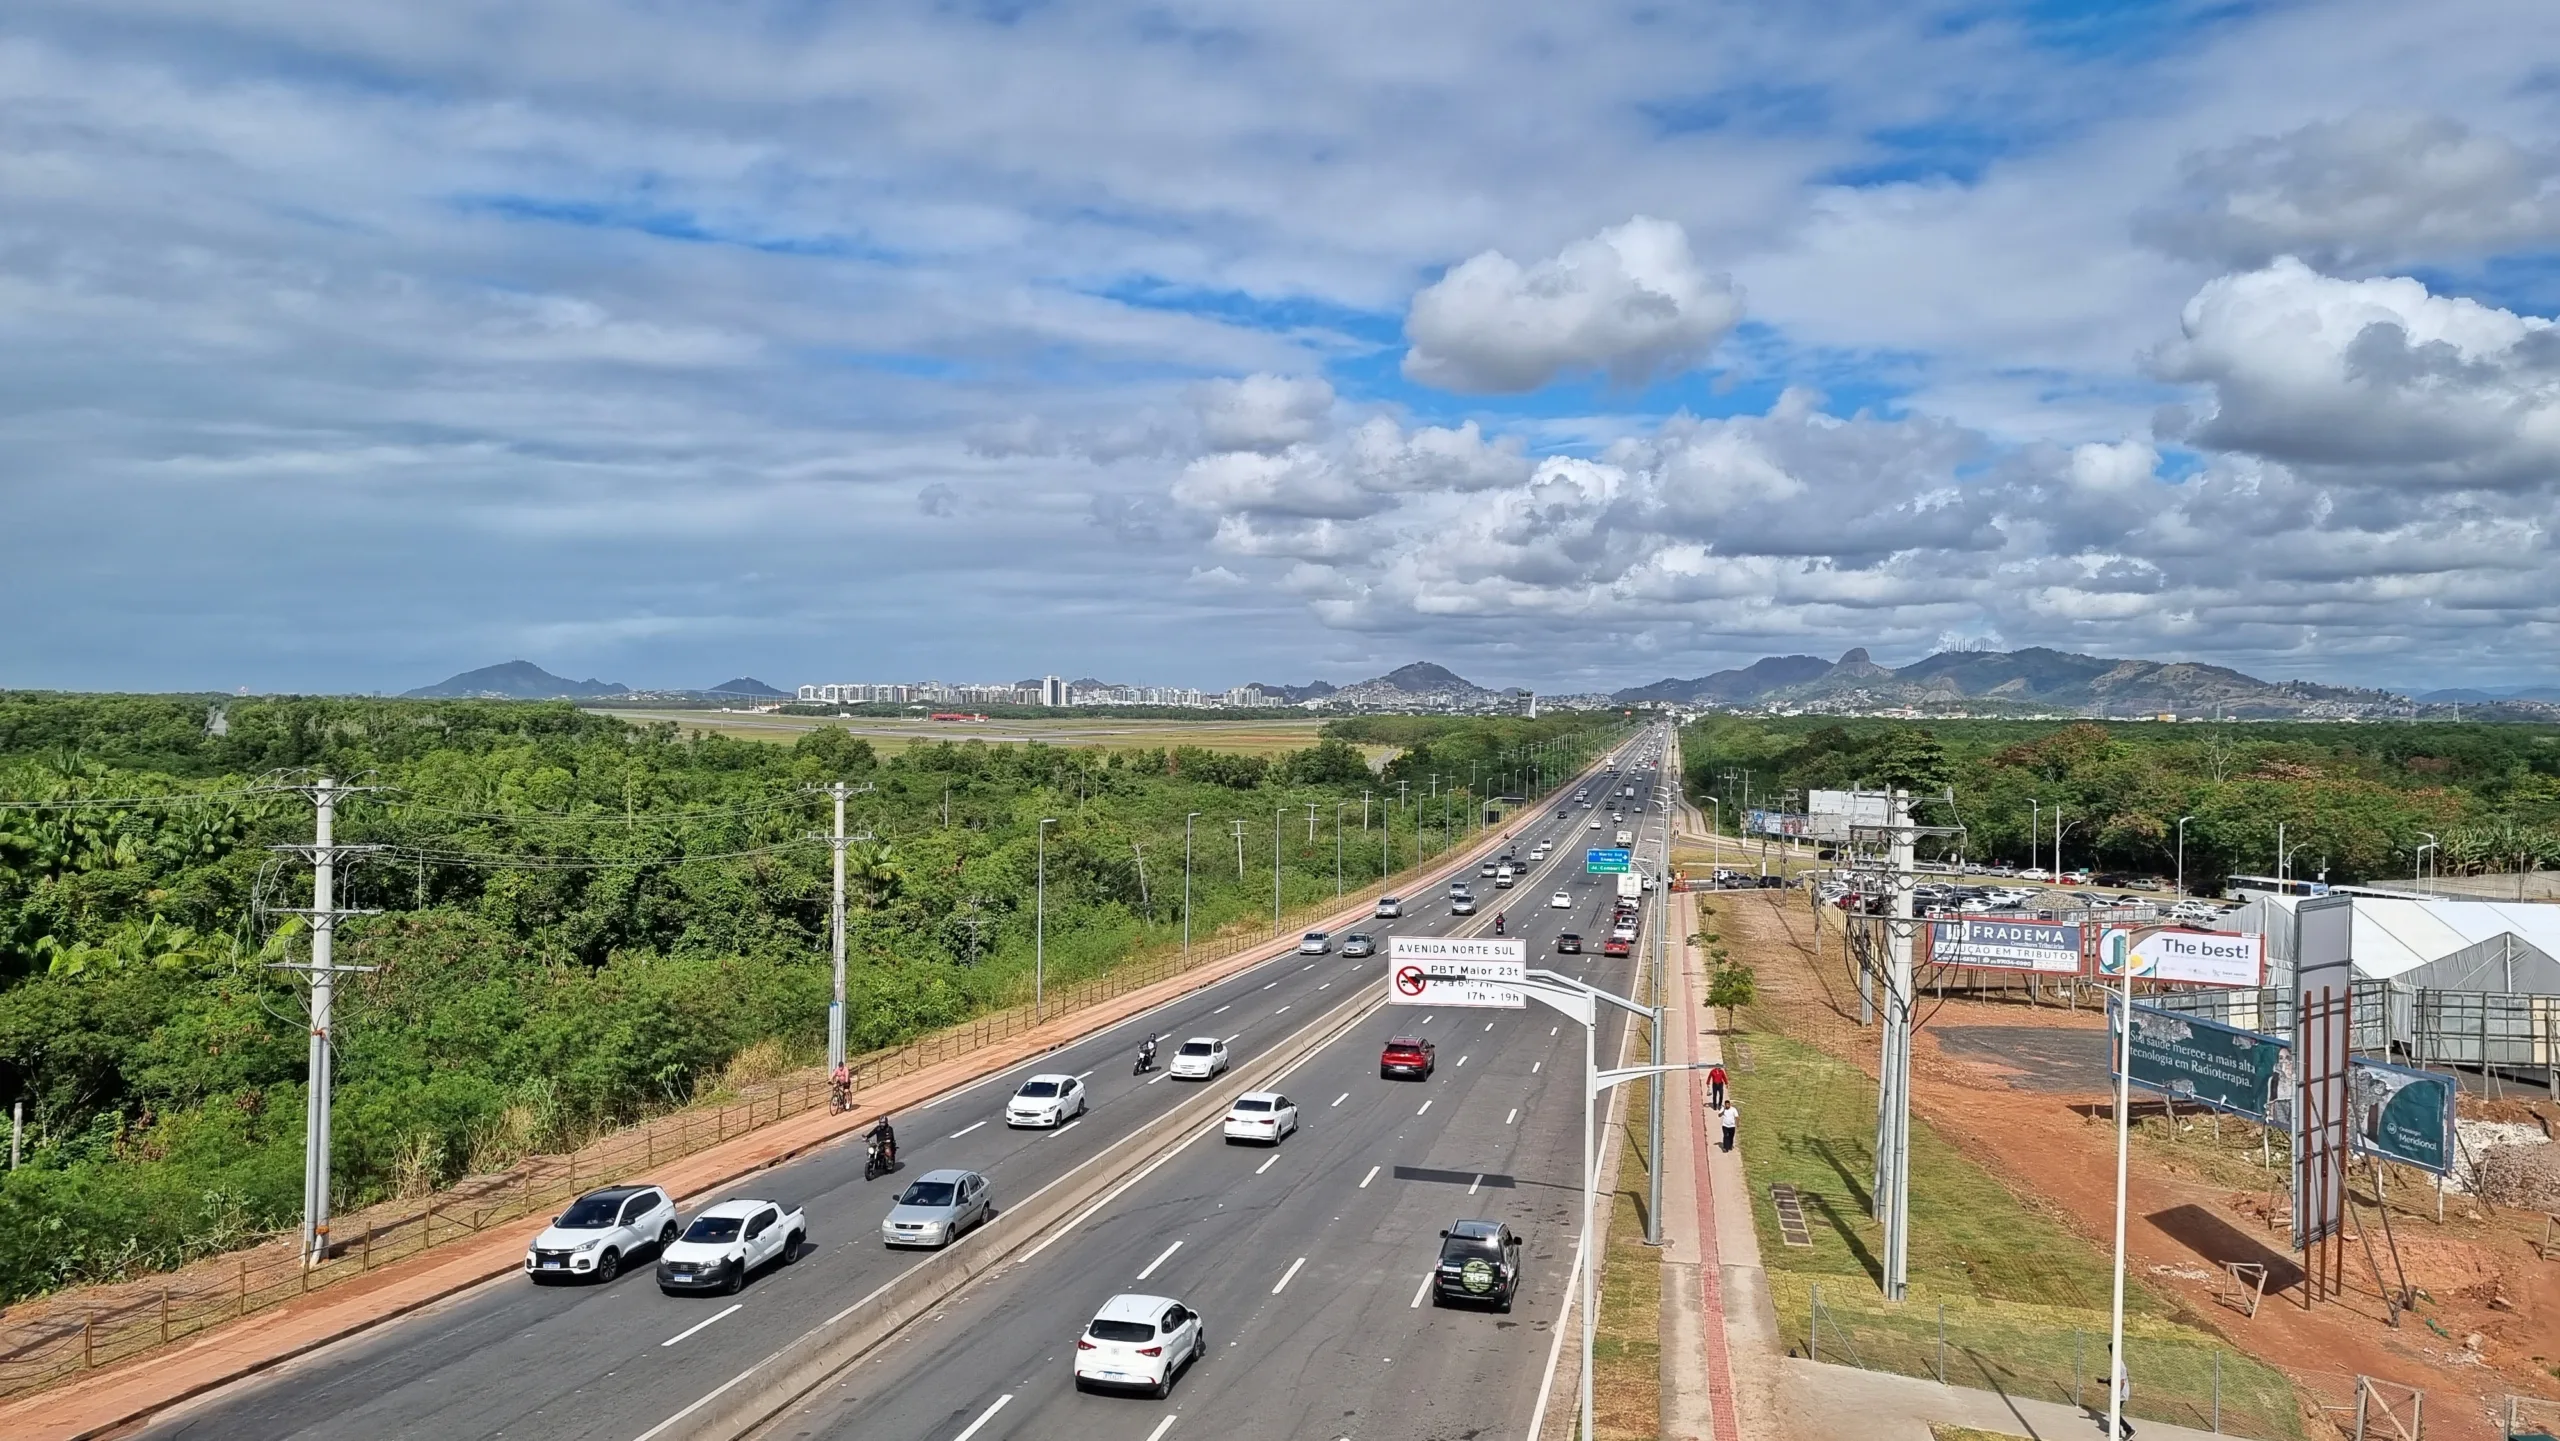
(1475, 971)
(1608, 861)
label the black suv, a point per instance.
(1479, 1262)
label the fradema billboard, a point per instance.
(2047, 947)
(2200, 958)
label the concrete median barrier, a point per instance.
(772, 1386)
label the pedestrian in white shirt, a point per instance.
(1730, 1117)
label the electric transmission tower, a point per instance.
(322, 971)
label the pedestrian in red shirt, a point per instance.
(1715, 1087)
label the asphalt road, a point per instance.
(610, 1363)
(1308, 1260)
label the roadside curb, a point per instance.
(133, 1391)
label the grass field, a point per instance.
(1626, 1351)
(2020, 1301)
(1254, 737)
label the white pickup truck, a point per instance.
(728, 1242)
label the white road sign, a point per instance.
(1457, 972)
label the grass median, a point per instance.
(2003, 1295)
(1626, 1351)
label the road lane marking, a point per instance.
(984, 1417)
(1478, 1181)
(1487, 1025)
(1231, 1040)
(1069, 1126)
(1534, 1065)
(1285, 1275)
(1551, 1030)
(1161, 1257)
(1230, 1003)
(1426, 1020)
(734, 1307)
(1267, 1165)
(1309, 966)
(1462, 1060)
(1419, 1292)
(1283, 1008)
(1158, 1076)
(1365, 1180)
(1269, 985)
(1515, 1115)
(1161, 1427)
(1345, 1096)
(1425, 1107)
(1080, 1075)
(964, 1130)
(1326, 986)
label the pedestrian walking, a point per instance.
(1730, 1116)
(1715, 1086)
(2124, 1400)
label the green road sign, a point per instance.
(1602, 861)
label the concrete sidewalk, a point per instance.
(129, 1391)
(1823, 1400)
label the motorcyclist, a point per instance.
(1497, 922)
(1147, 1052)
(884, 1139)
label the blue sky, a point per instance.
(351, 345)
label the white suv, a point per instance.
(1139, 1341)
(599, 1231)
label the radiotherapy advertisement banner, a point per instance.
(2403, 1114)
(2042, 946)
(2193, 1059)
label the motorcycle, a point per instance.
(1146, 1061)
(1497, 923)
(879, 1157)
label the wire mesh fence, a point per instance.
(2182, 1380)
(54, 1338)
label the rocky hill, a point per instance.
(514, 680)
(2031, 681)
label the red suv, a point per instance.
(1408, 1056)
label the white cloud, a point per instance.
(1630, 302)
(1267, 413)
(2379, 187)
(2376, 376)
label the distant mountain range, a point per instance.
(2026, 681)
(2546, 693)
(523, 680)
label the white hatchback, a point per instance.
(1560, 901)
(1261, 1116)
(1141, 1342)
(1199, 1058)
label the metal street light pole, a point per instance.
(1277, 817)
(1337, 847)
(1040, 924)
(2418, 878)
(1186, 881)
(2035, 830)
(2182, 855)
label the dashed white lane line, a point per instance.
(1161, 1257)
(734, 1308)
(1515, 1115)
(1365, 1180)
(1419, 1292)
(1534, 1067)
(1551, 1030)
(1427, 1021)
(1230, 1003)
(1161, 1427)
(984, 1417)
(1080, 1075)
(1269, 984)
(1158, 1076)
(1285, 1276)
(1478, 1181)
(964, 1130)
(1462, 1060)
(1327, 986)
(1345, 1096)
(1487, 1025)
(1231, 1040)
(1309, 966)
(1425, 1107)
(1267, 1165)
(1069, 1126)
(1283, 1008)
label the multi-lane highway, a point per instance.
(1308, 1262)
(621, 1361)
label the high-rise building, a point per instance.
(1053, 691)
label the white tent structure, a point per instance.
(2463, 982)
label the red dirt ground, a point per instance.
(2481, 1276)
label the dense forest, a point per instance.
(2356, 801)
(580, 919)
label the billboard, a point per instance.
(1601, 861)
(1776, 823)
(2192, 1059)
(1465, 972)
(2042, 946)
(2202, 958)
(1830, 814)
(2402, 1114)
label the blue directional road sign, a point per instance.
(1608, 862)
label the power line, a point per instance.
(492, 861)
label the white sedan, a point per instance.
(1046, 1101)
(1199, 1058)
(1261, 1116)
(1560, 901)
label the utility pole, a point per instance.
(1893, 1115)
(836, 840)
(1364, 813)
(1311, 820)
(1143, 901)
(1186, 882)
(1337, 847)
(323, 970)
(2034, 833)
(1040, 927)
(975, 922)
(1239, 850)
(1277, 817)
